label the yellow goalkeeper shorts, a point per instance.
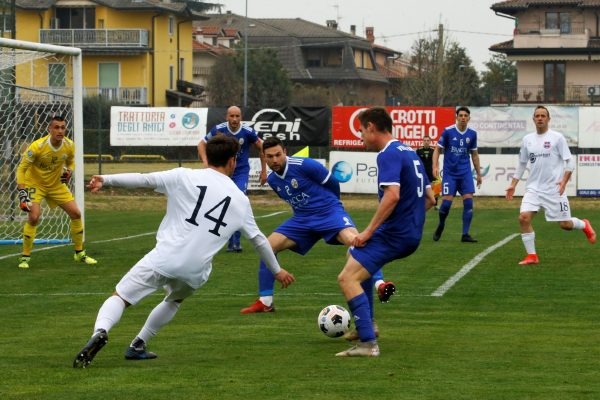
(56, 195)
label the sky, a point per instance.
(397, 23)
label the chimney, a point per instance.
(353, 30)
(331, 23)
(369, 31)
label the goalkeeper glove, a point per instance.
(24, 200)
(66, 175)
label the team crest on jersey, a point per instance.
(294, 183)
(278, 189)
(64, 156)
(30, 153)
(468, 140)
(241, 141)
(546, 145)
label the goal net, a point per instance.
(37, 82)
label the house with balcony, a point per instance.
(136, 52)
(316, 56)
(556, 47)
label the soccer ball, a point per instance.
(334, 321)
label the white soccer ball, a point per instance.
(334, 321)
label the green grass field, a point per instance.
(503, 331)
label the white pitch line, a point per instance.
(439, 292)
(35, 250)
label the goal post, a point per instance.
(37, 82)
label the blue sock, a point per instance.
(467, 215)
(444, 211)
(266, 280)
(367, 286)
(237, 236)
(231, 241)
(359, 307)
(378, 276)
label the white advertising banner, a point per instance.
(356, 171)
(254, 179)
(157, 126)
(589, 127)
(588, 173)
(497, 171)
(506, 126)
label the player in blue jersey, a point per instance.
(460, 147)
(396, 227)
(246, 136)
(314, 195)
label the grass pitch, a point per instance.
(503, 331)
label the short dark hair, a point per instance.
(58, 118)
(463, 108)
(272, 142)
(220, 148)
(378, 116)
(541, 107)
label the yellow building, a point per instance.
(136, 52)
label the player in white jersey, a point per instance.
(204, 208)
(550, 168)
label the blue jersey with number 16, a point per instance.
(398, 164)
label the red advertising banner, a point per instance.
(410, 125)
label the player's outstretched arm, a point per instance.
(96, 183)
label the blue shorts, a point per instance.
(241, 181)
(305, 231)
(379, 251)
(462, 184)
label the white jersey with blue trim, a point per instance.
(301, 186)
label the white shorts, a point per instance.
(142, 281)
(556, 207)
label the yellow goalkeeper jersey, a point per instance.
(42, 164)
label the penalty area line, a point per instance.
(439, 292)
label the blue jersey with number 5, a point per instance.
(398, 164)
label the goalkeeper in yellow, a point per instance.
(43, 173)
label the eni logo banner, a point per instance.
(157, 126)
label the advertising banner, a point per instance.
(157, 126)
(296, 126)
(506, 126)
(356, 171)
(410, 125)
(588, 171)
(589, 127)
(497, 171)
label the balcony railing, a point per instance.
(123, 95)
(90, 38)
(553, 94)
(201, 71)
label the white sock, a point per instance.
(379, 282)
(529, 242)
(578, 224)
(267, 300)
(161, 315)
(110, 313)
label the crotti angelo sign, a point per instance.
(410, 124)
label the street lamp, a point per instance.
(246, 57)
